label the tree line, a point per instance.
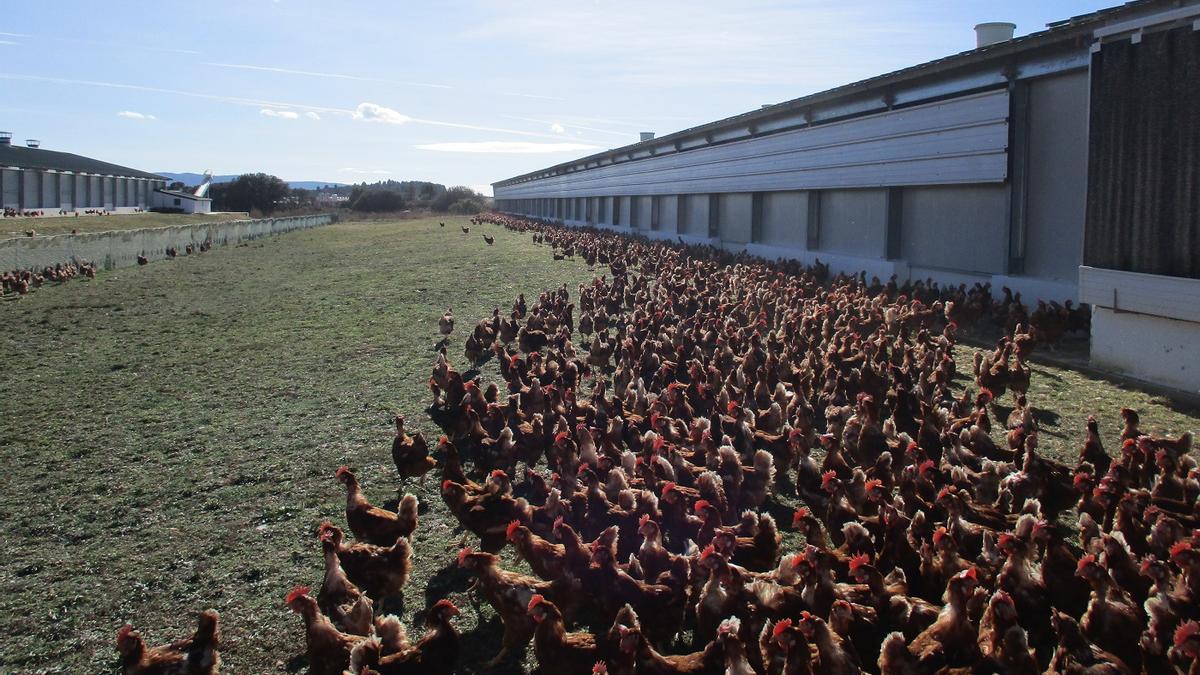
(261, 193)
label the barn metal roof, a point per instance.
(1055, 32)
(37, 158)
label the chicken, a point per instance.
(379, 571)
(509, 594)
(410, 453)
(372, 524)
(328, 648)
(547, 559)
(1112, 619)
(436, 653)
(557, 650)
(486, 515)
(950, 641)
(1075, 654)
(196, 655)
(346, 606)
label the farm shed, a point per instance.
(978, 167)
(35, 179)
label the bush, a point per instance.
(378, 200)
(460, 200)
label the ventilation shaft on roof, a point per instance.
(5, 138)
(646, 136)
(990, 33)
(32, 143)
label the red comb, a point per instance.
(644, 519)
(780, 627)
(801, 513)
(512, 528)
(940, 534)
(708, 552)
(1186, 632)
(926, 466)
(874, 483)
(446, 484)
(731, 407)
(297, 592)
(859, 560)
(462, 555)
(1081, 478)
(443, 440)
(659, 442)
(944, 492)
(536, 600)
(342, 471)
(1180, 548)
(827, 478)
(972, 573)
(124, 632)
(1004, 539)
(1086, 560)
(1128, 443)
(498, 473)
(667, 487)
(700, 505)
(561, 436)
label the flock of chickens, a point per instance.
(20, 282)
(640, 475)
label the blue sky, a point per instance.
(458, 92)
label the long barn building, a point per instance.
(1064, 164)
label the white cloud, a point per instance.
(285, 114)
(8, 42)
(507, 147)
(129, 114)
(373, 112)
(557, 128)
(312, 115)
(371, 172)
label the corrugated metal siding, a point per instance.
(785, 219)
(734, 218)
(961, 140)
(1143, 211)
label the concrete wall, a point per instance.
(1152, 348)
(956, 228)
(120, 248)
(734, 217)
(854, 222)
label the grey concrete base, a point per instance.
(120, 248)
(1144, 347)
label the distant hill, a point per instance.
(196, 178)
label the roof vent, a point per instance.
(646, 136)
(5, 138)
(32, 143)
(992, 32)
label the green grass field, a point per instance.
(16, 227)
(169, 433)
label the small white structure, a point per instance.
(179, 199)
